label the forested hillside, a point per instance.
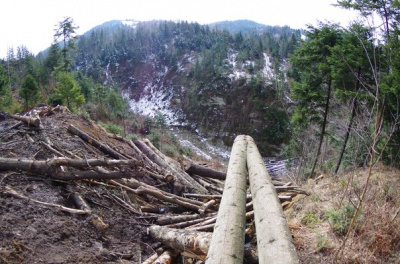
(218, 83)
(209, 79)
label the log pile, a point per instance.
(194, 211)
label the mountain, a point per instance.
(244, 26)
(198, 76)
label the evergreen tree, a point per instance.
(66, 32)
(69, 90)
(29, 91)
(5, 93)
(314, 90)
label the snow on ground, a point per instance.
(268, 72)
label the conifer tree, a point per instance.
(29, 91)
(66, 33)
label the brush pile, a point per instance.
(72, 192)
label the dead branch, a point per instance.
(10, 191)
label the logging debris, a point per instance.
(68, 184)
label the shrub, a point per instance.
(310, 219)
(112, 128)
(340, 219)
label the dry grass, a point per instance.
(376, 236)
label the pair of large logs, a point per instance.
(274, 240)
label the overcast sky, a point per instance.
(32, 22)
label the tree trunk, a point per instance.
(52, 168)
(323, 128)
(227, 245)
(105, 149)
(274, 240)
(196, 169)
(32, 121)
(346, 138)
(183, 240)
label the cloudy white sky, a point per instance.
(32, 22)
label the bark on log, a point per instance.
(274, 240)
(167, 220)
(32, 121)
(51, 167)
(196, 169)
(227, 244)
(183, 240)
(105, 149)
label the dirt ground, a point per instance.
(31, 233)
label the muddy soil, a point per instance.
(31, 233)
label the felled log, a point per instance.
(196, 169)
(228, 236)
(274, 240)
(169, 198)
(207, 206)
(182, 180)
(31, 121)
(207, 185)
(189, 222)
(167, 220)
(139, 188)
(78, 200)
(150, 259)
(51, 167)
(105, 149)
(167, 257)
(197, 243)
(10, 191)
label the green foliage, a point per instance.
(132, 137)
(155, 137)
(112, 128)
(6, 99)
(66, 32)
(160, 121)
(323, 243)
(310, 219)
(29, 91)
(340, 219)
(69, 91)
